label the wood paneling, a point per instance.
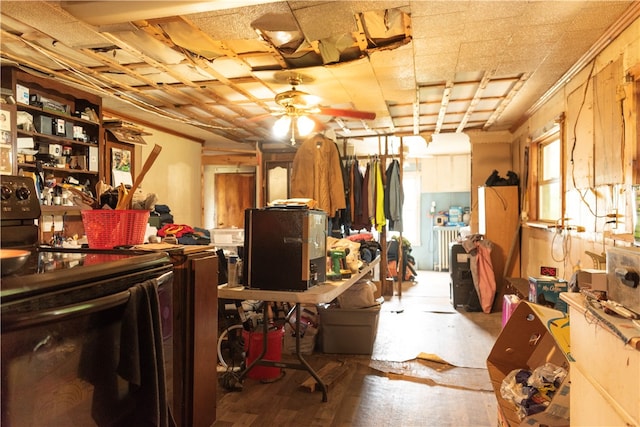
(579, 140)
(607, 113)
(499, 219)
(195, 327)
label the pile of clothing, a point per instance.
(531, 392)
(185, 234)
(408, 261)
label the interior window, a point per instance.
(548, 180)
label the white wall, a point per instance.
(175, 176)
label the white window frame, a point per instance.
(548, 175)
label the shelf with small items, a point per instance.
(36, 110)
(55, 139)
(57, 169)
(61, 209)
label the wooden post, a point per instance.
(384, 261)
(401, 252)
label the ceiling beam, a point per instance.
(476, 98)
(444, 103)
(507, 99)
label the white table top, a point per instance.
(322, 293)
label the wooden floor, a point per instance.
(393, 386)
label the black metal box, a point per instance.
(461, 284)
(284, 248)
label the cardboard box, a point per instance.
(22, 94)
(546, 290)
(348, 331)
(593, 279)
(93, 159)
(533, 336)
(44, 125)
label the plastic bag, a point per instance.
(531, 392)
(360, 295)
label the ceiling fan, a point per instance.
(296, 106)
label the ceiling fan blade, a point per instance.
(352, 114)
(266, 116)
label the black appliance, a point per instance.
(284, 248)
(461, 290)
(87, 335)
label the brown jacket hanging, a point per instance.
(317, 174)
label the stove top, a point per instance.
(50, 269)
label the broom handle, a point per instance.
(126, 201)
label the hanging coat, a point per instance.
(394, 197)
(380, 220)
(359, 199)
(364, 221)
(317, 174)
(371, 188)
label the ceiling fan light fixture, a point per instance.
(281, 126)
(305, 125)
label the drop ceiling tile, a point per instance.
(235, 23)
(437, 45)
(435, 68)
(444, 24)
(336, 20)
(552, 12)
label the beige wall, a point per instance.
(175, 177)
(592, 195)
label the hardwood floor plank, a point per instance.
(390, 387)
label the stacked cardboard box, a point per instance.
(533, 336)
(546, 290)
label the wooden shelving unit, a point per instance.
(65, 126)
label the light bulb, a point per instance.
(281, 126)
(305, 125)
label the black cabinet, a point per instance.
(461, 283)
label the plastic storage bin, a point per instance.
(348, 331)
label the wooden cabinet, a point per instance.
(605, 373)
(195, 335)
(443, 174)
(498, 221)
(277, 175)
(64, 123)
(52, 132)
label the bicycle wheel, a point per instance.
(231, 354)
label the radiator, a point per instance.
(445, 235)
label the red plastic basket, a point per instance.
(107, 228)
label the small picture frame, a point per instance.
(5, 137)
(6, 159)
(5, 120)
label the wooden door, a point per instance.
(234, 192)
